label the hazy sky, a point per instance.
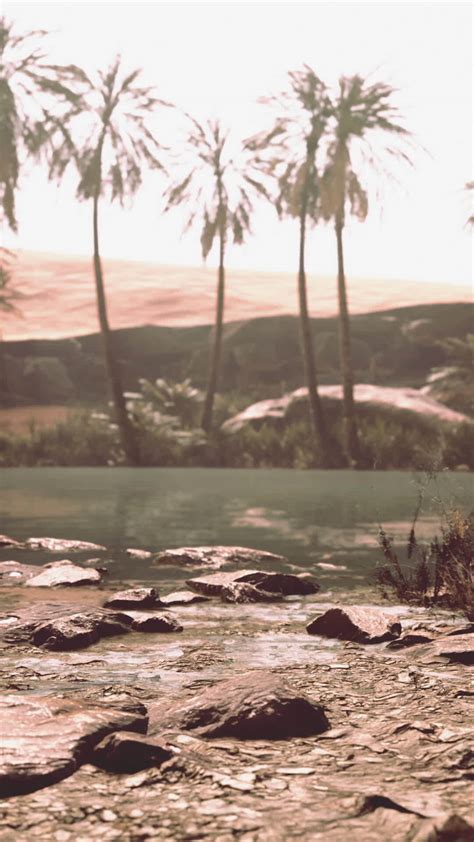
(215, 60)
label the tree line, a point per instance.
(303, 165)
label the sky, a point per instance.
(217, 59)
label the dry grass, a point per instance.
(19, 419)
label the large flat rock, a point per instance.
(285, 584)
(45, 739)
(244, 592)
(217, 557)
(184, 597)
(77, 631)
(256, 705)
(64, 574)
(353, 622)
(62, 545)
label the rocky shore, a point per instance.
(245, 705)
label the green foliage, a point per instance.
(439, 573)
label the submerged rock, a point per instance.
(242, 592)
(182, 598)
(147, 622)
(134, 598)
(281, 583)
(76, 631)
(45, 740)
(63, 574)
(127, 752)
(256, 705)
(138, 553)
(62, 545)
(352, 622)
(217, 557)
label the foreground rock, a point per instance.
(217, 557)
(456, 648)
(182, 598)
(134, 598)
(285, 584)
(62, 545)
(142, 622)
(244, 592)
(76, 631)
(253, 706)
(45, 739)
(64, 574)
(362, 625)
(15, 573)
(127, 752)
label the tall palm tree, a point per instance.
(218, 183)
(112, 146)
(360, 110)
(289, 153)
(28, 85)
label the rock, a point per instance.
(241, 592)
(182, 598)
(409, 639)
(64, 574)
(352, 622)
(138, 553)
(457, 648)
(134, 598)
(46, 739)
(76, 631)
(62, 545)
(256, 705)
(142, 622)
(6, 542)
(127, 752)
(217, 557)
(446, 828)
(15, 573)
(281, 583)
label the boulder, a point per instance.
(281, 583)
(46, 739)
(217, 557)
(64, 574)
(352, 622)
(134, 598)
(6, 542)
(127, 752)
(255, 705)
(138, 553)
(76, 631)
(15, 573)
(147, 622)
(242, 592)
(182, 598)
(62, 545)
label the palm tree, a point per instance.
(28, 86)
(289, 154)
(218, 186)
(360, 110)
(112, 117)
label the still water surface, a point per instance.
(327, 518)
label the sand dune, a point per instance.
(59, 299)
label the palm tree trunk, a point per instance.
(351, 435)
(316, 410)
(212, 383)
(126, 429)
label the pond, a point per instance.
(324, 521)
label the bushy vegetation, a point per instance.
(389, 438)
(437, 573)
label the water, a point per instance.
(327, 518)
